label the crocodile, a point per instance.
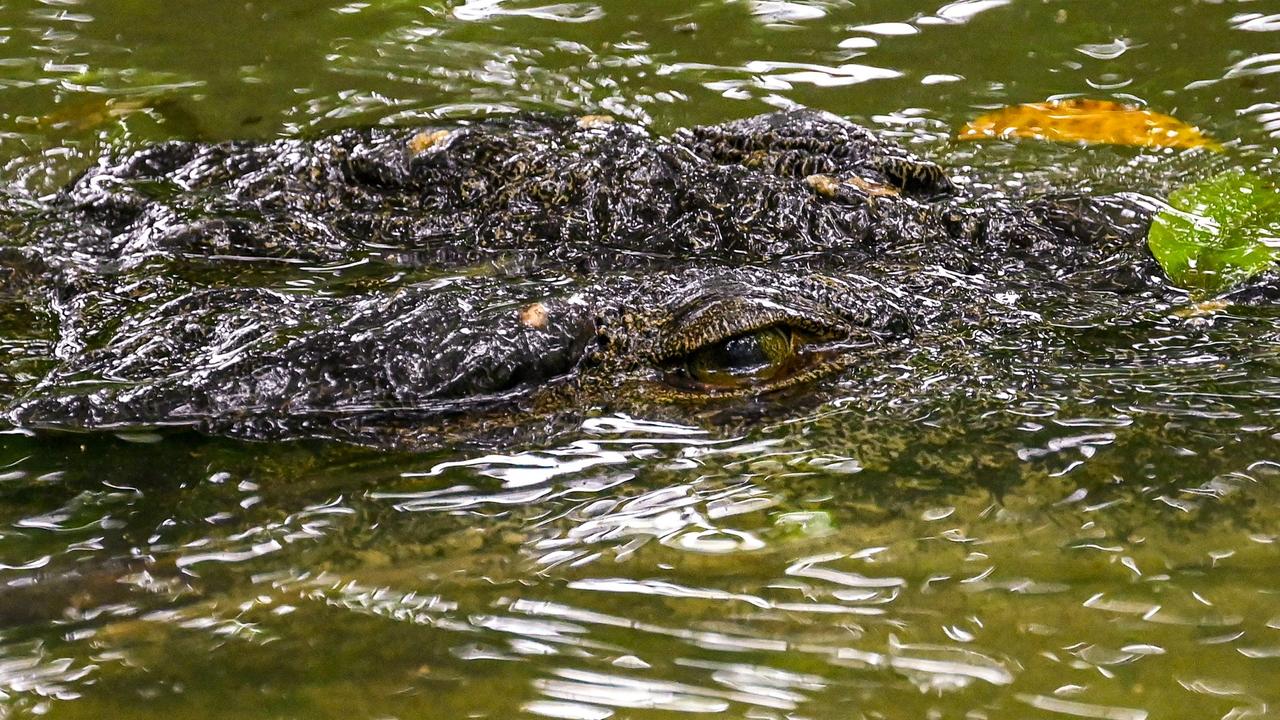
(506, 278)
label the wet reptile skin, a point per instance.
(507, 277)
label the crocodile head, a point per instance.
(507, 278)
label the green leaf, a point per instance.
(1219, 232)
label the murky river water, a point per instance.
(1103, 542)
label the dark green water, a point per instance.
(1101, 542)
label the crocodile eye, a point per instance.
(742, 360)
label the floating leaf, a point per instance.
(1219, 232)
(1088, 121)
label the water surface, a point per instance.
(1099, 540)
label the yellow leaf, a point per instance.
(1088, 121)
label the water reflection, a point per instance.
(479, 10)
(953, 592)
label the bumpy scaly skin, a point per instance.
(514, 274)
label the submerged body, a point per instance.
(510, 276)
